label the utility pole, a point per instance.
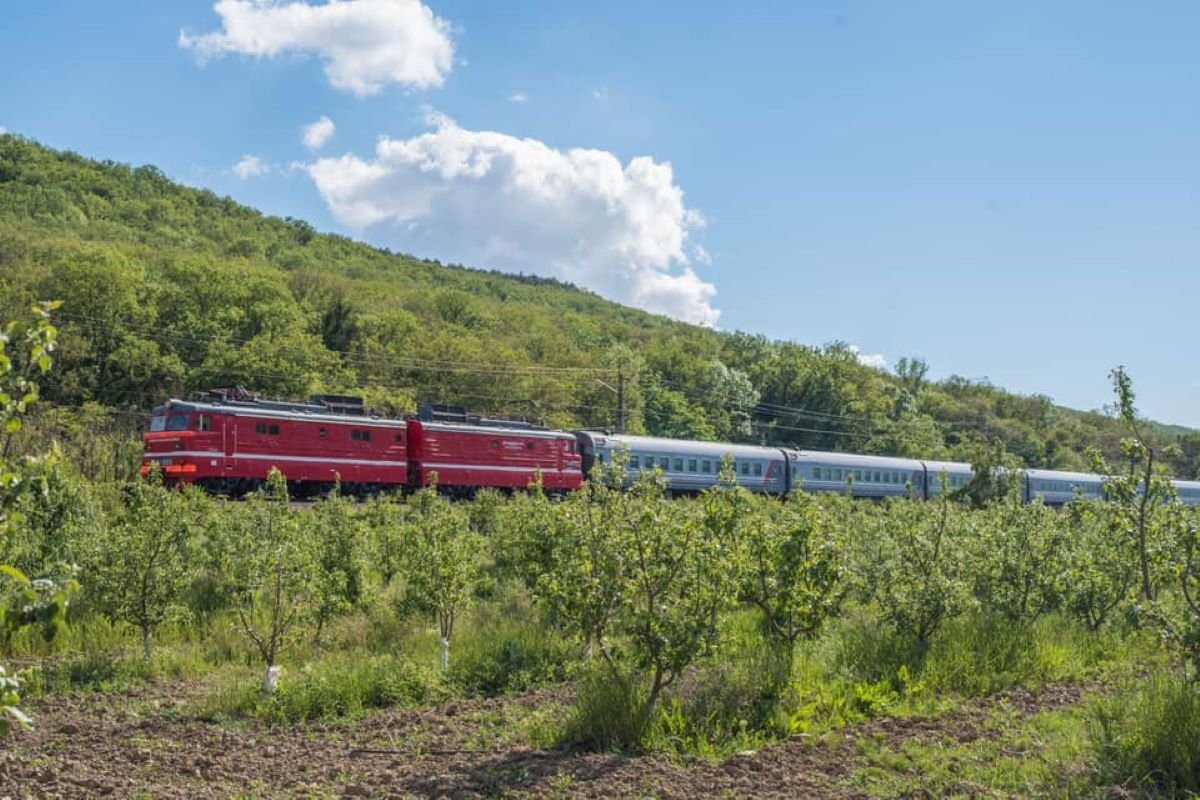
(620, 400)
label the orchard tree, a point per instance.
(442, 561)
(26, 348)
(54, 521)
(270, 566)
(793, 572)
(920, 582)
(633, 570)
(1181, 626)
(1101, 569)
(1018, 555)
(336, 538)
(141, 565)
(383, 518)
(1142, 494)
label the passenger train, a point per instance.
(227, 442)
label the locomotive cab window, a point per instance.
(169, 422)
(203, 422)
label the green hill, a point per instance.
(167, 289)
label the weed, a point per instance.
(506, 656)
(1149, 736)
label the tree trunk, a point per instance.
(146, 642)
(270, 680)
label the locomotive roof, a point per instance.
(304, 411)
(541, 433)
(296, 411)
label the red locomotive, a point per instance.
(228, 441)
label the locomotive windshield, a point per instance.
(168, 422)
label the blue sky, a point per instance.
(1007, 190)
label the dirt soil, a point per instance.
(143, 743)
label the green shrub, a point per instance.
(1149, 736)
(94, 672)
(979, 654)
(860, 650)
(341, 686)
(509, 656)
(347, 686)
(720, 709)
(607, 713)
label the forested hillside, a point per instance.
(168, 289)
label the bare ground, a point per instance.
(143, 743)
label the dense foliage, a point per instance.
(26, 354)
(167, 289)
(706, 624)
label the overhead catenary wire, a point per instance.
(761, 409)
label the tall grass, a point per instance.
(606, 714)
(334, 687)
(1147, 737)
(504, 656)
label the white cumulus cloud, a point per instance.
(316, 134)
(365, 44)
(518, 97)
(873, 360)
(250, 167)
(489, 199)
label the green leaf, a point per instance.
(14, 573)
